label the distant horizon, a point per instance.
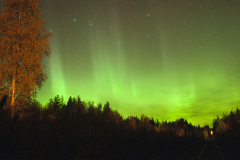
(125, 116)
(164, 59)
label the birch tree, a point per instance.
(24, 42)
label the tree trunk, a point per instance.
(13, 95)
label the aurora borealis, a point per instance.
(166, 59)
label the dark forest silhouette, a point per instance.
(80, 129)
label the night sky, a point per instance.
(166, 59)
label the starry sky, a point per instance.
(166, 59)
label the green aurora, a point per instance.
(164, 59)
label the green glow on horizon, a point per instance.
(179, 62)
(57, 77)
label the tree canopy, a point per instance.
(24, 42)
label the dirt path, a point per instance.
(210, 152)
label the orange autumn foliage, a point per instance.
(24, 42)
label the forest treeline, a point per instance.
(79, 129)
